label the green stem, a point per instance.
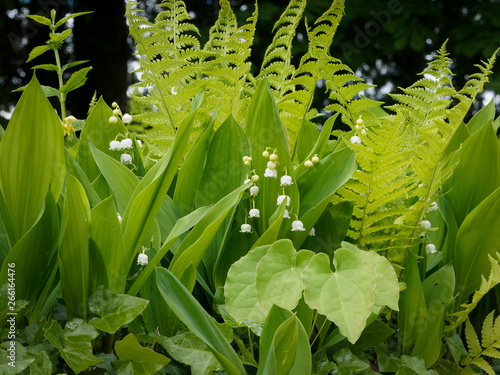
(250, 341)
(62, 97)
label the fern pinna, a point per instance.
(403, 158)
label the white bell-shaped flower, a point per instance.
(139, 142)
(142, 259)
(245, 228)
(286, 215)
(126, 159)
(355, 139)
(281, 198)
(297, 225)
(254, 190)
(286, 180)
(113, 120)
(115, 146)
(312, 232)
(433, 207)
(430, 249)
(271, 173)
(246, 181)
(127, 119)
(254, 212)
(425, 224)
(119, 217)
(126, 144)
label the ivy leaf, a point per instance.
(76, 80)
(115, 310)
(135, 359)
(37, 51)
(74, 343)
(345, 296)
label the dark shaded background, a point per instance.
(386, 41)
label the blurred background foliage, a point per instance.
(387, 42)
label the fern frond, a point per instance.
(485, 287)
(487, 347)
(380, 185)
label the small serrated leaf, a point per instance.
(76, 80)
(74, 63)
(40, 19)
(65, 19)
(37, 51)
(49, 67)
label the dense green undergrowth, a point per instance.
(235, 237)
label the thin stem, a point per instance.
(62, 97)
(317, 335)
(250, 341)
(312, 326)
(156, 335)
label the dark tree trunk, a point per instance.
(101, 37)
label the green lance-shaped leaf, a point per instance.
(119, 178)
(74, 343)
(34, 254)
(475, 241)
(278, 355)
(108, 242)
(482, 118)
(477, 174)
(74, 249)
(74, 168)
(100, 132)
(195, 244)
(278, 276)
(149, 194)
(114, 310)
(31, 158)
(306, 139)
(136, 359)
(197, 320)
(240, 291)
(346, 296)
(264, 129)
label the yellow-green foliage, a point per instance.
(402, 158)
(486, 286)
(488, 346)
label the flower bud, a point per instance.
(271, 165)
(265, 154)
(308, 164)
(273, 157)
(113, 120)
(127, 119)
(315, 160)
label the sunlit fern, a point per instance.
(489, 346)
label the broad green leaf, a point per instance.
(306, 139)
(189, 176)
(37, 51)
(278, 279)
(373, 335)
(6, 231)
(74, 343)
(223, 173)
(119, 178)
(197, 320)
(349, 362)
(34, 254)
(345, 296)
(236, 247)
(76, 80)
(114, 310)
(136, 359)
(317, 186)
(149, 194)
(74, 249)
(187, 348)
(412, 308)
(193, 247)
(412, 366)
(181, 226)
(16, 364)
(41, 365)
(100, 132)
(438, 292)
(482, 118)
(74, 168)
(477, 174)
(279, 324)
(264, 129)
(475, 241)
(386, 291)
(31, 158)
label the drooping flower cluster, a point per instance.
(126, 118)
